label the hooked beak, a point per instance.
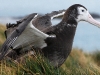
(93, 21)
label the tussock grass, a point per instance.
(78, 63)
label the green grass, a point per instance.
(78, 63)
(96, 57)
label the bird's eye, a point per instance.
(82, 10)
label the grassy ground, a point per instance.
(78, 63)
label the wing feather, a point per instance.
(13, 37)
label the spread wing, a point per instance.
(55, 14)
(12, 27)
(23, 34)
(41, 22)
(14, 35)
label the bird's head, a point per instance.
(77, 13)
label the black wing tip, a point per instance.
(30, 17)
(56, 12)
(60, 11)
(9, 25)
(5, 47)
(3, 53)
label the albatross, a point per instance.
(40, 22)
(56, 41)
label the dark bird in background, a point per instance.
(56, 41)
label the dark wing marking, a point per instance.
(40, 23)
(12, 38)
(43, 22)
(54, 14)
(25, 18)
(11, 27)
(5, 32)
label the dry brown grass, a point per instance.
(6, 70)
(2, 36)
(80, 63)
(80, 56)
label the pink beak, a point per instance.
(93, 21)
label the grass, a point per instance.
(96, 57)
(2, 36)
(78, 63)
